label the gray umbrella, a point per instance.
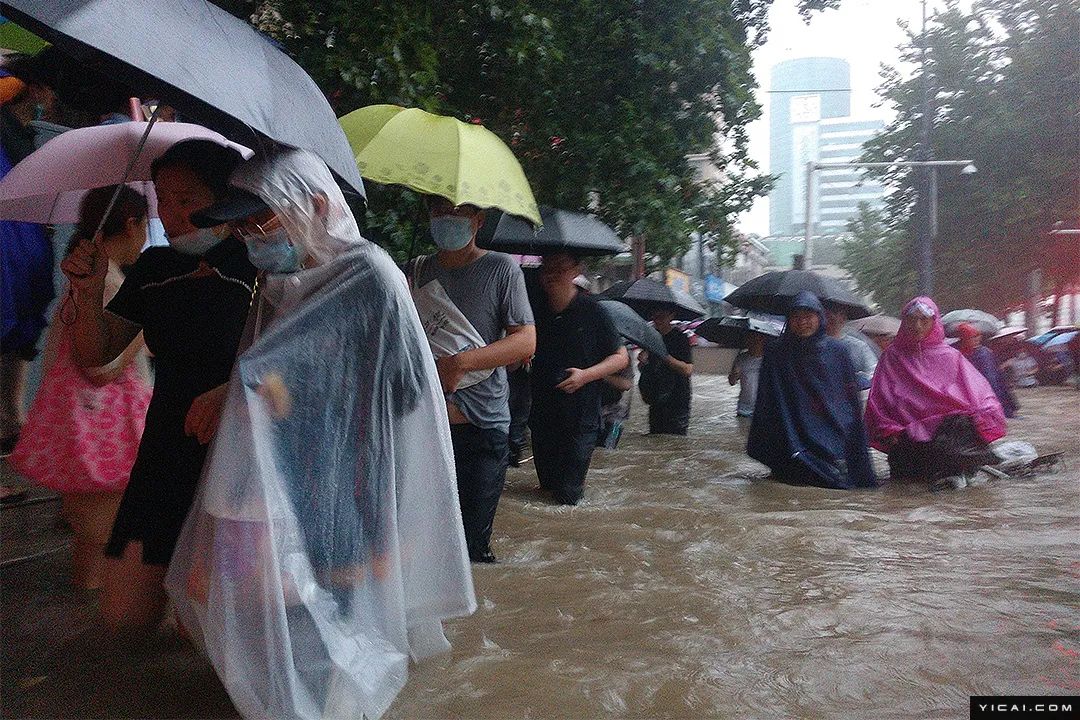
(876, 325)
(212, 67)
(987, 324)
(563, 231)
(647, 295)
(634, 328)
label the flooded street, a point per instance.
(685, 586)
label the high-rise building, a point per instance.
(803, 92)
(809, 109)
(838, 191)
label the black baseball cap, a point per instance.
(236, 205)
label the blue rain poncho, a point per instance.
(807, 424)
(325, 544)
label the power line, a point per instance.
(809, 91)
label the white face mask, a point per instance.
(451, 232)
(195, 243)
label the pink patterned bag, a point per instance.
(79, 437)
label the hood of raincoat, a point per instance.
(807, 425)
(804, 300)
(905, 337)
(918, 383)
(325, 545)
(289, 180)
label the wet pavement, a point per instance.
(685, 585)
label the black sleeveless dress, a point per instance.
(192, 312)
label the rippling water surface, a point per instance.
(687, 586)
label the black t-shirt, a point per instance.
(678, 347)
(580, 336)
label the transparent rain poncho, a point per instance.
(325, 545)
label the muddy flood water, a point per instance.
(686, 585)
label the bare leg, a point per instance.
(91, 516)
(133, 595)
(12, 391)
(87, 559)
(12, 413)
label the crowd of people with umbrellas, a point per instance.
(324, 443)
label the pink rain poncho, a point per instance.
(919, 383)
(325, 546)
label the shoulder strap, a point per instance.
(417, 270)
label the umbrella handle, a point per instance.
(69, 312)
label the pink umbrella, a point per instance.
(63, 207)
(47, 186)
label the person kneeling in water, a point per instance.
(930, 410)
(807, 424)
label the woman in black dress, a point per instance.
(190, 300)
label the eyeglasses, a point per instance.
(261, 229)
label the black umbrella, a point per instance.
(647, 295)
(563, 231)
(212, 67)
(635, 329)
(731, 331)
(774, 291)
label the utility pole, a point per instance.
(701, 258)
(926, 200)
(638, 246)
(808, 237)
(1031, 317)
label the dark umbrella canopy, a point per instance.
(214, 68)
(774, 291)
(731, 332)
(634, 328)
(647, 295)
(562, 231)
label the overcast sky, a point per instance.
(863, 32)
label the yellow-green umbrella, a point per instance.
(437, 155)
(15, 38)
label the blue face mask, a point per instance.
(197, 242)
(273, 252)
(451, 232)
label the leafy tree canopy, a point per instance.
(594, 96)
(1003, 80)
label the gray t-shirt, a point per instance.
(749, 371)
(490, 292)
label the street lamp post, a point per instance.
(924, 254)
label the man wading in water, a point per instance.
(576, 346)
(475, 312)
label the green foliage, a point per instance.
(878, 259)
(594, 96)
(1003, 79)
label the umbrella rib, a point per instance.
(127, 171)
(112, 202)
(55, 203)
